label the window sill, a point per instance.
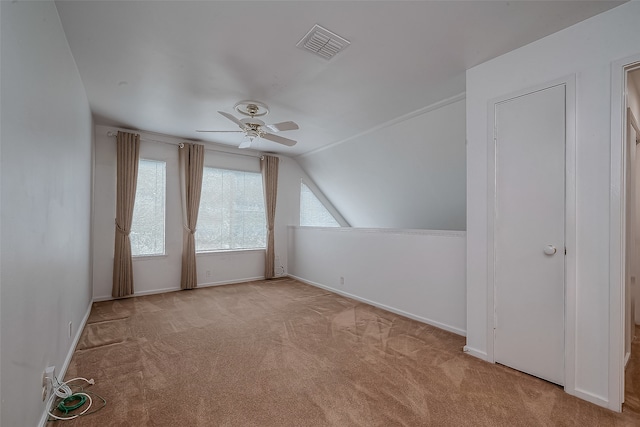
(229, 251)
(148, 257)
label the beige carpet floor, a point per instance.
(282, 353)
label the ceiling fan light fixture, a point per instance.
(252, 134)
(254, 128)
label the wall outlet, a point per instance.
(47, 381)
(207, 273)
(341, 281)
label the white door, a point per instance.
(529, 233)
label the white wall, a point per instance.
(160, 274)
(46, 205)
(587, 51)
(409, 173)
(417, 273)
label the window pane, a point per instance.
(312, 212)
(147, 228)
(231, 212)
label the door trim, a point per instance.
(570, 224)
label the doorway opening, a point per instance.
(631, 236)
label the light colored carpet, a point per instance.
(282, 353)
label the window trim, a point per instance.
(228, 251)
(144, 257)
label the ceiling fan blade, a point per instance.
(279, 127)
(280, 140)
(246, 143)
(223, 131)
(233, 119)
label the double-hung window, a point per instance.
(147, 227)
(231, 215)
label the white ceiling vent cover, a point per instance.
(323, 42)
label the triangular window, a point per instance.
(312, 212)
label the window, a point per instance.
(231, 212)
(312, 212)
(147, 227)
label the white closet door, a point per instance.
(529, 233)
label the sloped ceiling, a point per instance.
(169, 66)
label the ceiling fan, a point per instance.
(255, 128)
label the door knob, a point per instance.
(550, 250)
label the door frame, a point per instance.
(617, 228)
(570, 223)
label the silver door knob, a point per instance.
(550, 250)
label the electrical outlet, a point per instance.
(208, 273)
(47, 381)
(341, 281)
(279, 268)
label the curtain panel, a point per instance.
(128, 149)
(269, 169)
(191, 159)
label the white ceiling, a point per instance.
(168, 66)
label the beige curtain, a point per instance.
(191, 158)
(128, 149)
(269, 169)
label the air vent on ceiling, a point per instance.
(323, 42)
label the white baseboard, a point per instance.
(63, 369)
(138, 294)
(431, 322)
(589, 397)
(475, 353)
(230, 282)
(165, 290)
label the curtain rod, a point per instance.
(181, 144)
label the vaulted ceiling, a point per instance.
(169, 66)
